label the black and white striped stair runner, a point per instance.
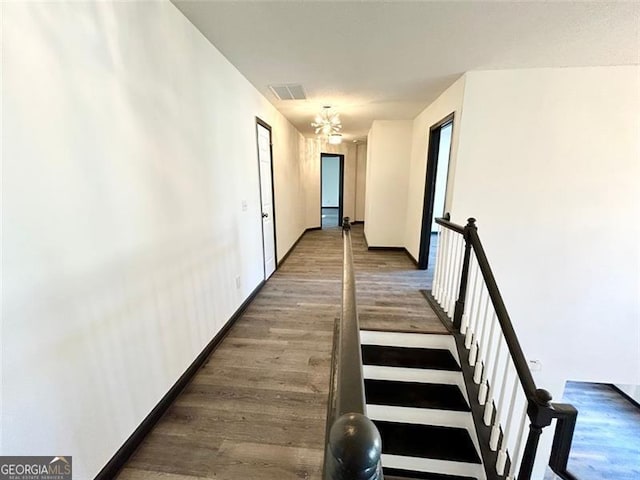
(416, 396)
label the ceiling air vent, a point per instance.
(288, 92)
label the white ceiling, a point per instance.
(389, 60)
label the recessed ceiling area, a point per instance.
(389, 60)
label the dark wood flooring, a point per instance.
(256, 410)
(606, 442)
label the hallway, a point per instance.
(257, 408)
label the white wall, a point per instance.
(549, 163)
(330, 181)
(310, 178)
(450, 101)
(129, 145)
(361, 183)
(389, 154)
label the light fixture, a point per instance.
(335, 139)
(327, 123)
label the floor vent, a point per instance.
(288, 92)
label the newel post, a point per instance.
(540, 413)
(346, 224)
(354, 449)
(462, 292)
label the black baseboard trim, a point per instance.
(393, 249)
(388, 249)
(311, 229)
(286, 255)
(357, 222)
(415, 262)
(113, 466)
(632, 400)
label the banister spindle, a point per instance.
(473, 274)
(437, 270)
(486, 362)
(473, 354)
(517, 450)
(446, 237)
(456, 274)
(482, 343)
(502, 454)
(452, 269)
(492, 387)
(473, 309)
(495, 429)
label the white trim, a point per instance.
(420, 375)
(444, 467)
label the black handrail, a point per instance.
(540, 410)
(350, 383)
(471, 236)
(353, 445)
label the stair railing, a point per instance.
(466, 290)
(353, 445)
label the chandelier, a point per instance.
(328, 123)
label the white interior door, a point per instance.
(266, 197)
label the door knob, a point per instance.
(265, 215)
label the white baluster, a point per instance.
(488, 408)
(437, 269)
(473, 354)
(495, 430)
(452, 267)
(502, 454)
(482, 341)
(442, 259)
(447, 269)
(474, 308)
(517, 451)
(468, 301)
(457, 270)
(486, 361)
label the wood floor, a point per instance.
(606, 442)
(257, 409)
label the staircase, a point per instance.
(399, 404)
(416, 396)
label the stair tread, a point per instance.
(427, 441)
(391, 473)
(415, 394)
(428, 358)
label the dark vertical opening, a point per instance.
(331, 189)
(264, 124)
(435, 188)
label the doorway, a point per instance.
(435, 189)
(265, 170)
(331, 186)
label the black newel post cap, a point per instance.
(356, 446)
(543, 397)
(346, 225)
(471, 222)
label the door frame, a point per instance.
(264, 124)
(340, 186)
(429, 186)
